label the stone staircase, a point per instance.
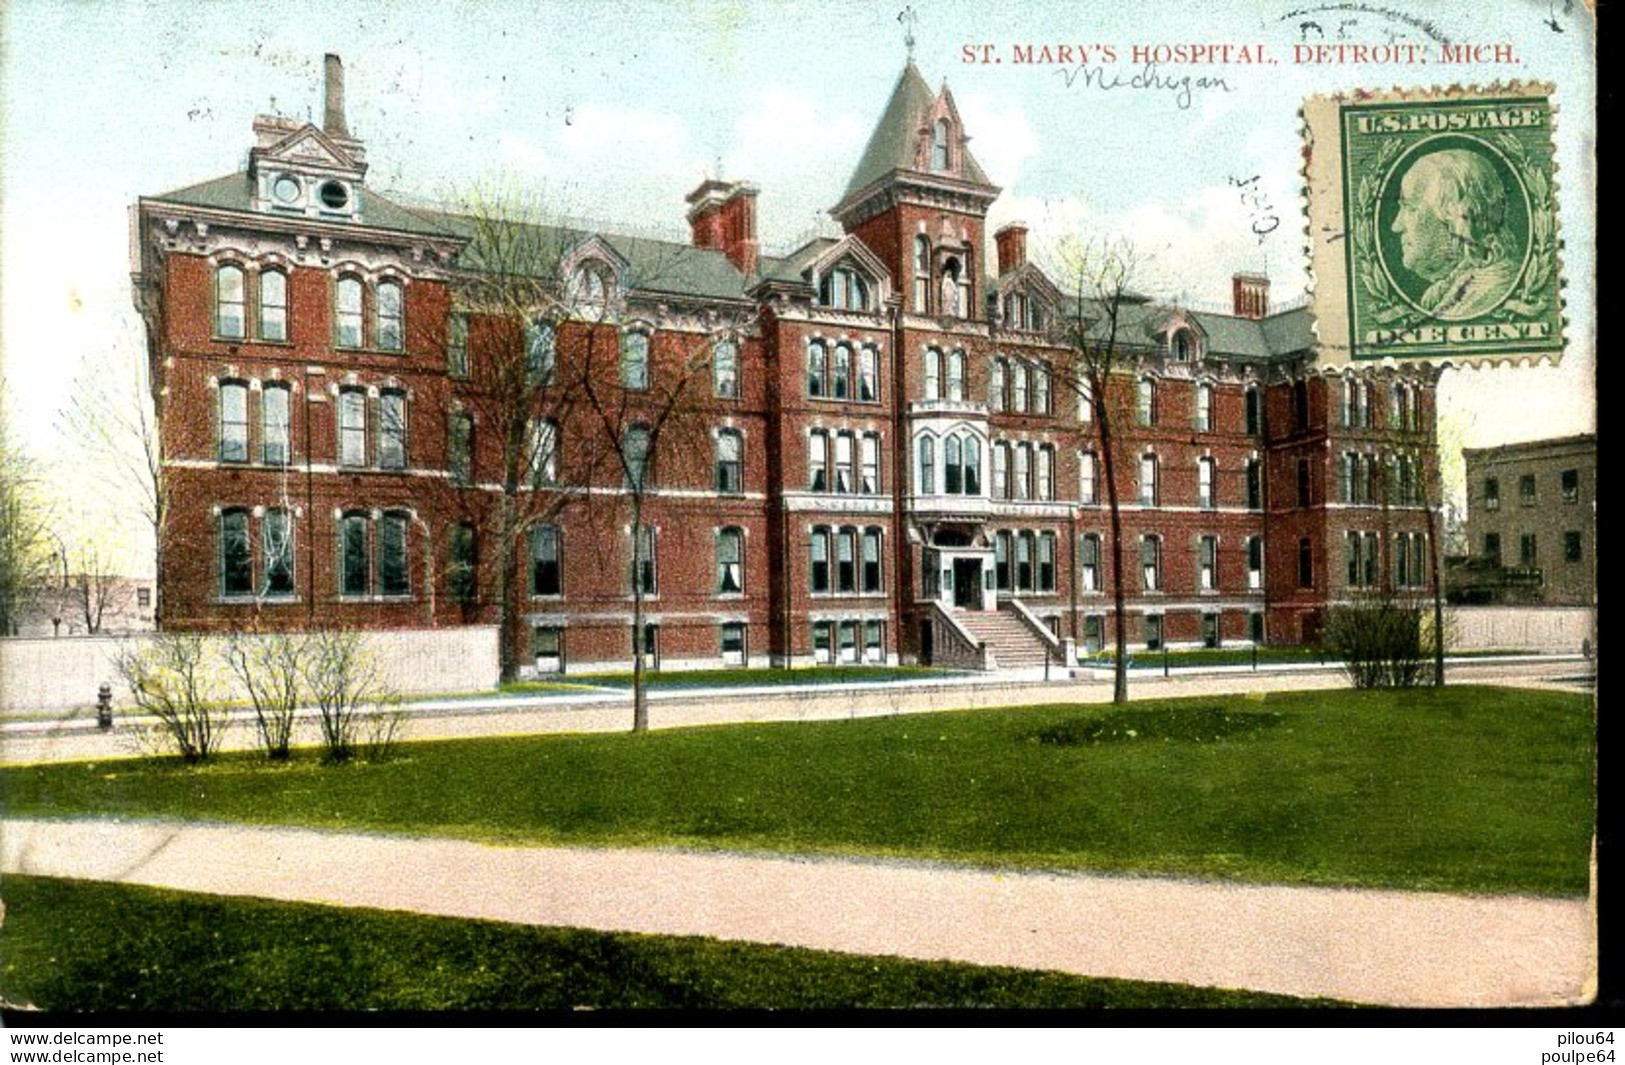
(1014, 647)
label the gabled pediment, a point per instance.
(593, 248)
(859, 258)
(308, 146)
(1034, 281)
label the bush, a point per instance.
(358, 712)
(171, 679)
(1382, 642)
(268, 666)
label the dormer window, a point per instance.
(939, 145)
(1182, 346)
(844, 289)
(590, 286)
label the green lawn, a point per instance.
(74, 945)
(1480, 789)
(750, 678)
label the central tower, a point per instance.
(919, 200)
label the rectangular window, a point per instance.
(1145, 402)
(1151, 628)
(1094, 632)
(733, 643)
(236, 561)
(730, 463)
(460, 448)
(273, 305)
(1528, 553)
(818, 461)
(547, 648)
(1210, 630)
(874, 641)
(1571, 547)
(871, 560)
(1024, 561)
(635, 361)
(869, 477)
(818, 556)
(817, 359)
(842, 377)
(1023, 472)
(1046, 562)
(644, 573)
(1088, 491)
(274, 426)
(848, 636)
(1492, 493)
(651, 646)
(1086, 400)
(725, 369)
(1255, 627)
(276, 535)
(1204, 408)
(846, 564)
(823, 650)
(843, 463)
(1046, 472)
(1571, 486)
(933, 374)
(1148, 480)
(347, 313)
(1255, 485)
(1526, 490)
(1089, 563)
(956, 375)
(730, 562)
(1040, 390)
(546, 569)
(233, 422)
(1001, 470)
(1492, 548)
(355, 564)
(352, 428)
(1204, 484)
(1304, 483)
(1207, 563)
(869, 374)
(1151, 563)
(541, 351)
(1255, 563)
(457, 345)
(1254, 420)
(393, 575)
(1001, 561)
(392, 431)
(1306, 563)
(229, 303)
(391, 316)
(462, 578)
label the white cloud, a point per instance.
(1002, 139)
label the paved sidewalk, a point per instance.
(1394, 948)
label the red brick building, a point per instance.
(890, 462)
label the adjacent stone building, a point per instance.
(1531, 524)
(888, 458)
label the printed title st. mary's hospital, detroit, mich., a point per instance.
(884, 458)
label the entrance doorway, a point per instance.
(968, 583)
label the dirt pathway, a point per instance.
(1396, 948)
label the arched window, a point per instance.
(725, 369)
(933, 373)
(871, 560)
(391, 446)
(952, 468)
(1151, 563)
(869, 465)
(635, 360)
(347, 313)
(730, 561)
(274, 425)
(236, 555)
(1024, 561)
(1040, 389)
(590, 287)
(956, 375)
(276, 545)
(868, 374)
(1045, 473)
(817, 368)
(995, 384)
(842, 377)
(1088, 479)
(635, 454)
(391, 316)
(953, 289)
(1145, 402)
(818, 559)
(462, 576)
(233, 421)
(352, 427)
(844, 289)
(928, 466)
(818, 461)
(461, 448)
(546, 558)
(230, 303)
(1254, 412)
(273, 305)
(1001, 470)
(540, 351)
(394, 575)
(973, 466)
(1183, 348)
(939, 145)
(1204, 407)
(1148, 480)
(1001, 560)
(1022, 477)
(922, 275)
(1018, 386)
(543, 452)
(355, 561)
(730, 462)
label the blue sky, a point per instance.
(617, 109)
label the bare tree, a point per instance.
(355, 707)
(269, 667)
(93, 584)
(172, 678)
(1095, 277)
(25, 550)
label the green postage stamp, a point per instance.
(1433, 225)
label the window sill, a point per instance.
(255, 600)
(548, 597)
(407, 598)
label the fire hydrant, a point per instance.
(104, 706)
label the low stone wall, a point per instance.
(1557, 629)
(63, 674)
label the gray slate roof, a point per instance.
(235, 192)
(893, 143)
(1228, 336)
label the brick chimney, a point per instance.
(722, 217)
(1012, 244)
(1251, 295)
(333, 112)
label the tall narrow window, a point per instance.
(233, 422)
(1255, 563)
(1145, 402)
(462, 578)
(730, 562)
(1492, 548)
(869, 473)
(1018, 386)
(1024, 561)
(818, 461)
(1089, 563)
(236, 560)
(392, 431)
(644, 575)
(352, 427)
(541, 351)
(542, 453)
(1204, 484)
(1570, 486)
(347, 313)
(817, 366)
(355, 564)
(635, 454)
(1204, 407)
(393, 578)
(1306, 562)
(1305, 484)
(725, 369)
(922, 275)
(460, 448)
(1528, 550)
(871, 560)
(995, 384)
(1151, 563)
(1001, 560)
(1492, 493)
(733, 643)
(843, 463)
(1001, 470)
(730, 462)
(952, 467)
(1040, 389)
(956, 375)
(457, 345)
(546, 556)
(846, 563)
(1045, 473)
(1207, 563)
(391, 316)
(1254, 413)
(273, 305)
(841, 378)
(869, 373)
(928, 466)
(276, 541)
(1300, 405)
(635, 360)
(1148, 480)
(874, 641)
(1021, 476)
(818, 559)
(973, 466)
(1151, 628)
(1526, 490)
(1255, 485)
(1086, 399)
(939, 145)
(1088, 484)
(1046, 562)
(230, 305)
(274, 425)
(933, 373)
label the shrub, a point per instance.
(357, 710)
(171, 679)
(1382, 642)
(268, 666)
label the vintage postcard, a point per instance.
(540, 506)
